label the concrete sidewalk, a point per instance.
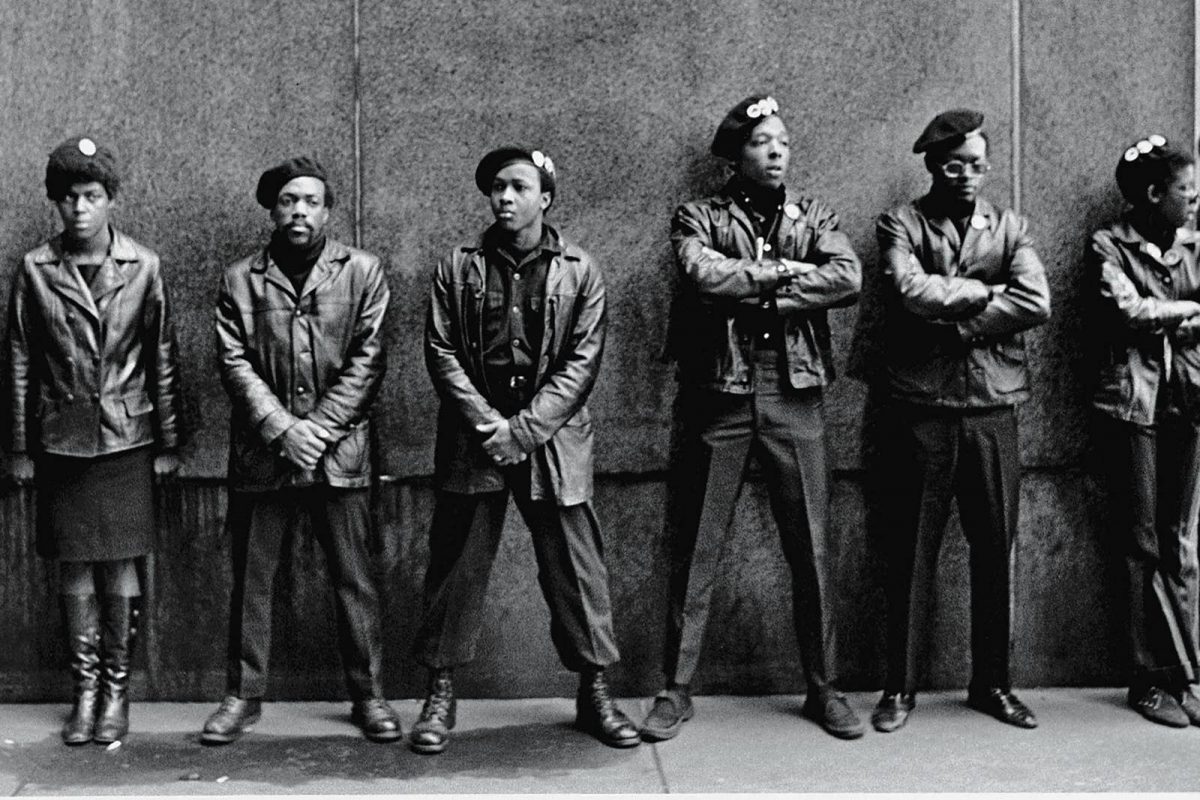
(1088, 741)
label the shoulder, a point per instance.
(813, 209)
(126, 248)
(353, 257)
(704, 208)
(45, 253)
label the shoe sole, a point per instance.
(384, 737)
(632, 741)
(1169, 723)
(427, 749)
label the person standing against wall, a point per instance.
(759, 268)
(94, 407)
(963, 283)
(299, 329)
(513, 341)
(1144, 268)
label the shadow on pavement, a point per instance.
(537, 750)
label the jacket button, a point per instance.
(1167, 279)
(95, 397)
(299, 390)
(299, 312)
(70, 397)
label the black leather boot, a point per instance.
(119, 617)
(81, 619)
(432, 730)
(597, 714)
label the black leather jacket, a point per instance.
(555, 428)
(285, 358)
(715, 248)
(92, 376)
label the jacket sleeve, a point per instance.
(164, 363)
(929, 296)
(19, 361)
(247, 389)
(1023, 300)
(1119, 295)
(443, 356)
(346, 399)
(571, 378)
(713, 273)
(834, 278)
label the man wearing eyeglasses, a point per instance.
(963, 282)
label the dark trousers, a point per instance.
(1154, 479)
(784, 430)
(940, 455)
(463, 539)
(341, 523)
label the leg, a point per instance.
(791, 435)
(258, 524)
(120, 608)
(1131, 455)
(463, 538)
(1178, 513)
(81, 620)
(988, 487)
(719, 430)
(342, 525)
(922, 474)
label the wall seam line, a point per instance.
(1015, 95)
(358, 166)
(1195, 76)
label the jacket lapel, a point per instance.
(115, 272)
(329, 264)
(985, 211)
(65, 280)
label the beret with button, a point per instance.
(948, 126)
(274, 179)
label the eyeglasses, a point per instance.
(957, 169)
(1144, 146)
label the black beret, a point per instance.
(500, 158)
(274, 179)
(741, 119)
(80, 160)
(948, 126)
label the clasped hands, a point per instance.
(500, 444)
(304, 443)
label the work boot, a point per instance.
(597, 714)
(119, 617)
(431, 732)
(81, 619)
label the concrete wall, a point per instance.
(198, 98)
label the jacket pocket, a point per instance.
(349, 457)
(137, 404)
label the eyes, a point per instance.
(763, 141)
(91, 198)
(518, 186)
(289, 200)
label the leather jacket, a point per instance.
(721, 277)
(955, 309)
(92, 376)
(284, 358)
(1140, 331)
(555, 427)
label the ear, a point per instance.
(545, 200)
(1154, 194)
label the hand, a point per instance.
(1187, 332)
(794, 269)
(20, 469)
(500, 443)
(165, 466)
(304, 443)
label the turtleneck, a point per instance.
(1152, 228)
(296, 261)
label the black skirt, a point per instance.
(96, 509)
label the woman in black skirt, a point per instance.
(94, 397)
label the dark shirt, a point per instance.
(763, 207)
(514, 319)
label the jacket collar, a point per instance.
(66, 280)
(984, 217)
(333, 257)
(1124, 231)
(792, 204)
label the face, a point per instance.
(764, 156)
(1176, 202)
(958, 173)
(517, 199)
(300, 212)
(84, 210)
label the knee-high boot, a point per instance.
(81, 619)
(119, 616)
